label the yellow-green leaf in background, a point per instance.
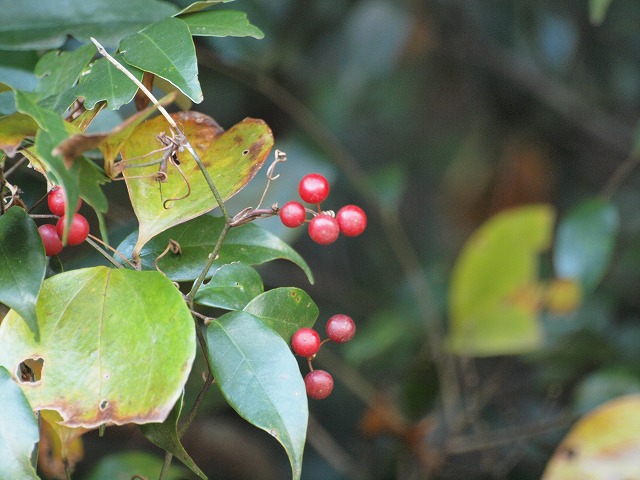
(604, 444)
(232, 158)
(495, 295)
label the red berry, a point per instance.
(57, 201)
(313, 188)
(324, 229)
(352, 220)
(292, 214)
(319, 384)
(305, 342)
(341, 328)
(50, 239)
(79, 229)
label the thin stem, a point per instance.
(14, 167)
(210, 259)
(103, 252)
(48, 216)
(620, 175)
(166, 465)
(138, 83)
(196, 406)
(67, 471)
(106, 245)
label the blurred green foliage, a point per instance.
(433, 115)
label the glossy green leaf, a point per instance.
(53, 130)
(123, 466)
(585, 241)
(231, 158)
(166, 49)
(494, 295)
(285, 310)
(598, 10)
(22, 264)
(221, 23)
(248, 244)
(128, 332)
(59, 71)
(231, 287)
(260, 378)
(91, 177)
(105, 82)
(18, 431)
(165, 436)
(14, 129)
(35, 25)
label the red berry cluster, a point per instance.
(306, 343)
(52, 234)
(324, 227)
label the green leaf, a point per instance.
(14, 129)
(122, 466)
(53, 130)
(260, 378)
(221, 23)
(18, 431)
(129, 333)
(165, 436)
(231, 158)
(91, 177)
(585, 241)
(248, 244)
(494, 294)
(37, 25)
(598, 10)
(22, 264)
(198, 6)
(231, 287)
(285, 310)
(166, 49)
(106, 82)
(59, 71)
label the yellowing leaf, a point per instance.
(116, 347)
(495, 294)
(604, 444)
(232, 158)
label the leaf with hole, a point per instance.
(248, 244)
(231, 158)
(260, 378)
(18, 431)
(605, 443)
(128, 332)
(22, 264)
(231, 287)
(495, 294)
(285, 310)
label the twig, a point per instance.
(620, 175)
(196, 405)
(166, 465)
(106, 245)
(103, 252)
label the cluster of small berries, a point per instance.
(324, 227)
(52, 234)
(306, 343)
